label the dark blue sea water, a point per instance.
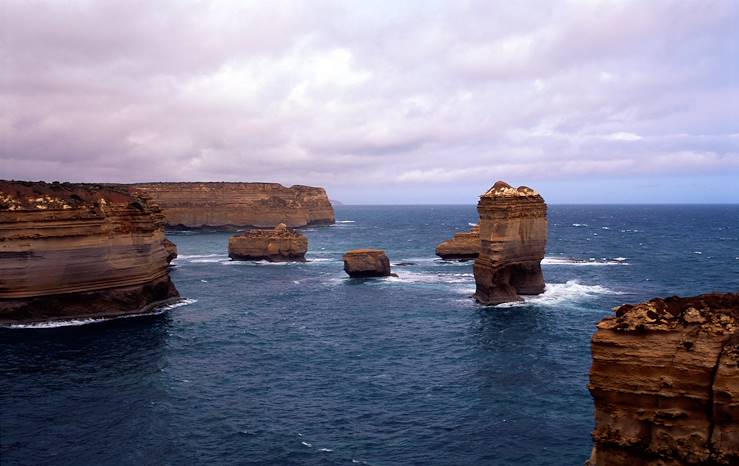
(296, 364)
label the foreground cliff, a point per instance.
(513, 237)
(74, 250)
(665, 381)
(228, 205)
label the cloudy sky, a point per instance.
(380, 102)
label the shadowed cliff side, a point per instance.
(665, 381)
(231, 205)
(513, 237)
(78, 250)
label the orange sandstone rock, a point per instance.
(231, 205)
(665, 381)
(79, 250)
(360, 263)
(463, 246)
(278, 245)
(513, 237)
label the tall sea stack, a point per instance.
(513, 238)
(77, 250)
(665, 381)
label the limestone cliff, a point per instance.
(513, 236)
(278, 245)
(665, 381)
(74, 250)
(463, 246)
(228, 205)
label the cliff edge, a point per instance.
(665, 381)
(231, 205)
(78, 250)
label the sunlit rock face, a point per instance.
(231, 205)
(278, 245)
(77, 250)
(462, 247)
(513, 237)
(665, 382)
(366, 263)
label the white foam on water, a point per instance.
(407, 277)
(309, 445)
(560, 293)
(93, 320)
(256, 263)
(346, 221)
(325, 449)
(197, 256)
(213, 260)
(472, 224)
(590, 261)
(579, 224)
(697, 252)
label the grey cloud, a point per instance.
(332, 92)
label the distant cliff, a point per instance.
(665, 381)
(77, 250)
(224, 205)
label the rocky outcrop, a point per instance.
(665, 381)
(171, 249)
(231, 205)
(513, 237)
(463, 246)
(76, 250)
(278, 245)
(363, 263)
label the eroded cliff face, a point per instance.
(75, 250)
(278, 245)
(513, 237)
(665, 381)
(463, 246)
(227, 205)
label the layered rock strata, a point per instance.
(232, 205)
(513, 237)
(171, 249)
(278, 245)
(364, 263)
(462, 247)
(665, 381)
(75, 250)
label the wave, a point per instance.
(197, 256)
(560, 293)
(580, 225)
(346, 221)
(590, 261)
(472, 224)
(94, 320)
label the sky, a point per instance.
(383, 102)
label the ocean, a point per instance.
(296, 364)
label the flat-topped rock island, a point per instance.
(79, 251)
(278, 245)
